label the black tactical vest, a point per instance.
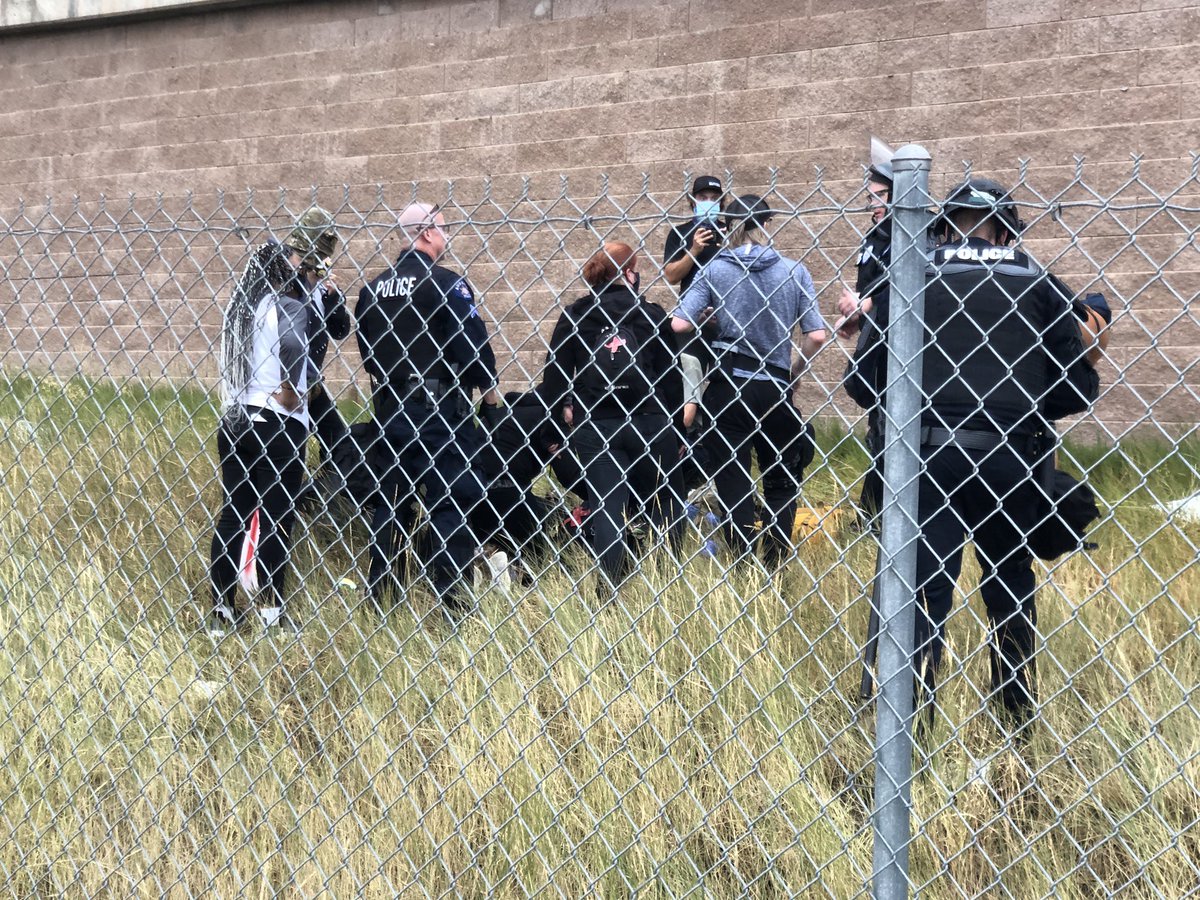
(985, 313)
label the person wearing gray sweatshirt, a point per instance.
(752, 302)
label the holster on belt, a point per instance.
(875, 437)
(431, 391)
(1046, 442)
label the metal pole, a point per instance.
(898, 546)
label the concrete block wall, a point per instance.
(504, 97)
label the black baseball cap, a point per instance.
(707, 183)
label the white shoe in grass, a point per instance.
(276, 622)
(220, 622)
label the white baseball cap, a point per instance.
(416, 217)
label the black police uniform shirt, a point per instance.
(1002, 352)
(676, 248)
(871, 270)
(870, 281)
(420, 319)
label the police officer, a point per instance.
(1002, 357)
(426, 349)
(315, 240)
(875, 252)
(758, 300)
(525, 441)
(870, 280)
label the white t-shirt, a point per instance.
(279, 353)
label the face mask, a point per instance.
(707, 210)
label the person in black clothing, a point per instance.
(690, 246)
(261, 436)
(1003, 356)
(614, 360)
(870, 274)
(427, 350)
(871, 280)
(525, 441)
(315, 240)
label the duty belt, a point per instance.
(977, 440)
(428, 388)
(431, 391)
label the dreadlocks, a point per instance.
(267, 270)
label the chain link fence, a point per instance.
(701, 731)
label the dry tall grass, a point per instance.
(700, 737)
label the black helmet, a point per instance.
(983, 193)
(750, 208)
(881, 162)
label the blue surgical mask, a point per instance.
(708, 210)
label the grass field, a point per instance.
(701, 737)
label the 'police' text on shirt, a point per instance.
(396, 287)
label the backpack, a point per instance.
(614, 365)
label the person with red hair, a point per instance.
(613, 372)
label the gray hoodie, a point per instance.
(759, 299)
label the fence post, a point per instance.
(901, 467)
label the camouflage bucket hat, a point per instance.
(315, 238)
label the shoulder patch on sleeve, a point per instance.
(463, 290)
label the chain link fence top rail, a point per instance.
(702, 733)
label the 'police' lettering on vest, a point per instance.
(979, 254)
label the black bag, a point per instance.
(1068, 512)
(614, 366)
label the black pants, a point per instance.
(870, 500)
(756, 417)
(327, 422)
(426, 452)
(262, 467)
(627, 461)
(695, 465)
(992, 498)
